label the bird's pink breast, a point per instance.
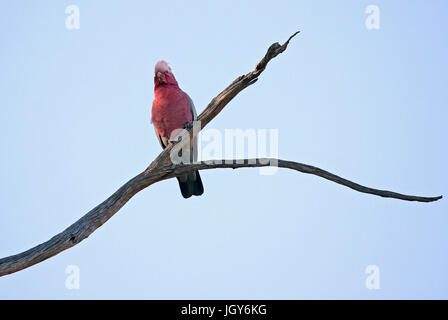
(170, 110)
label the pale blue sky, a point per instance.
(369, 105)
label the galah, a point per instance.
(173, 109)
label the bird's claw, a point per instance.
(188, 125)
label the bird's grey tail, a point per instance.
(191, 184)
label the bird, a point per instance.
(173, 109)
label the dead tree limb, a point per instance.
(162, 168)
(305, 168)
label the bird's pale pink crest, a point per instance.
(162, 67)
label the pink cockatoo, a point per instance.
(173, 109)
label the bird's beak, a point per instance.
(159, 77)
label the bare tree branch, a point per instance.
(162, 168)
(305, 168)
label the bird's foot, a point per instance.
(188, 125)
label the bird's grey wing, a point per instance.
(194, 116)
(192, 108)
(162, 140)
(194, 177)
